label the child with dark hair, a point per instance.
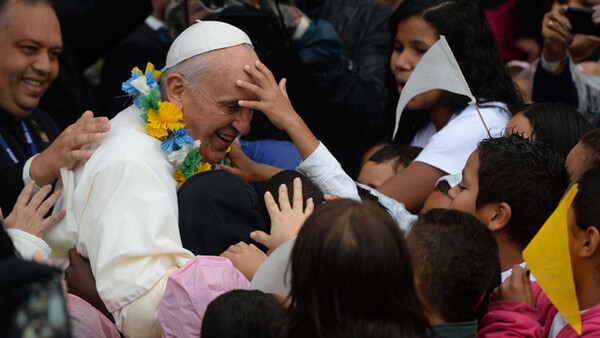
(351, 276)
(443, 123)
(455, 258)
(534, 314)
(240, 313)
(512, 185)
(385, 162)
(556, 124)
(309, 190)
(585, 155)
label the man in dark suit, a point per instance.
(30, 39)
(149, 42)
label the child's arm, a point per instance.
(275, 104)
(322, 168)
(512, 312)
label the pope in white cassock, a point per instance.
(122, 203)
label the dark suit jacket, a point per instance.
(142, 46)
(43, 131)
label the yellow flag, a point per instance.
(549, 260)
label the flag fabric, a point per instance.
(437, 69)
(548, 257)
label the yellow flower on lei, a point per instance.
(169, 117)
(202, 167)
(180, 178)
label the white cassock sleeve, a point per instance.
(122, 213)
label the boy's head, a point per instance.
(585, 155)
(385, 163)
(511, 184)
(455, 258)
(309, 190)
(237, 313)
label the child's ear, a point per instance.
(498, 215)
(175, 87)
(589, 240)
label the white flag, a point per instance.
(437, 69)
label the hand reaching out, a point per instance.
(273, 101)
(66, 150)
(29, 215)
(245, 168)
(286, 219)
(273, 98)
(81, 282)
(246, 258)
(516, 288)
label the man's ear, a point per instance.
(175, 87)
(589, 240)
(497, 215)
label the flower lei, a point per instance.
(164, 121)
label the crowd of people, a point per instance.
(236, 172)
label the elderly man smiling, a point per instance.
(121, 204)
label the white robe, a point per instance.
(122, 213)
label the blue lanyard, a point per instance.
(29, 141)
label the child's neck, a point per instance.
(510, 253)
(439, 116)
(587, 285)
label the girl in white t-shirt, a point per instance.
(444, 124)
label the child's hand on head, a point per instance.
(273, 99)
(517, 288)
(286, 219)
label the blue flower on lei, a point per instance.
(177, 140)
(131, 90)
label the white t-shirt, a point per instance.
(449, 148)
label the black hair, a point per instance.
(591, 143)
(442, 186)
(403, 155)
(309, 190)
(474, 46)
(527, 175)
(236, 313)
(351, 277)
(455, 258)
(587, 201)
(557, 124)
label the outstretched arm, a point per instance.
(273, 101)
(275, 104)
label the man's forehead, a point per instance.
(19, 25)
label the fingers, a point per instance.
(283, 88)
(284, 200)
(74, 255)
(260, 74)
(310, 206)
(261, 237)
(254, 89)
(230, 170)
(25, 194)
(272, 207)
(50, 221)
(48, 203)
(329, 198)
(297, 194)
(38, 199)
(76, 155)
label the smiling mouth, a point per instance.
(32, 82)
(225, 138)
